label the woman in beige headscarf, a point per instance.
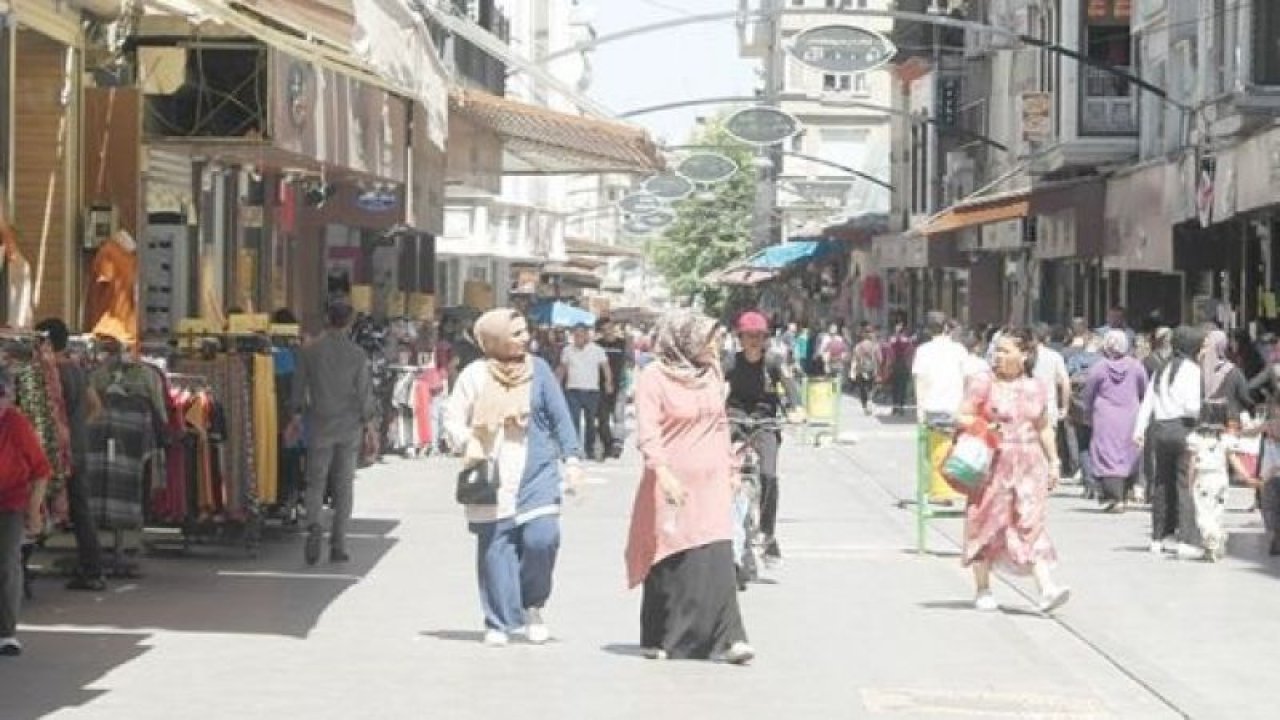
(681, 543)
(509, 407)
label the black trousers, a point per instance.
(1169, 450)
(604, 421)
(863, 385)
(88, 548)
(901, 379)
(766, 445)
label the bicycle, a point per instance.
(748, 541)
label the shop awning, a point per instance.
(570, 275)
(739, 275)
(541, 141)
(980, 211)
(776, 257)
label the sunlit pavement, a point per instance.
(854, 625)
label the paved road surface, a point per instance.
(855, 624)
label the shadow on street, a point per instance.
(58, 668)
(222, 592)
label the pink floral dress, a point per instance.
(1005, 521)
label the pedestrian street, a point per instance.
(854, 624)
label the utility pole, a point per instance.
(765, 229)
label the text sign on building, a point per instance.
(707, 167)
(1037, 116)
(669, 186)
(842, 49)
(762, 125)
(640, 203)
(948, 101)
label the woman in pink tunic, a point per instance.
(1005, 521)
(680, 547)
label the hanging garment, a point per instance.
(120, 439)
(111, 304)
(35, 402)
(21, 290)
(266, 430)
(423, 397)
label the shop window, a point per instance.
(1107, 100)
(205, 90)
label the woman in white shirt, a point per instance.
(1171, 408)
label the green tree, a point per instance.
(712, 229)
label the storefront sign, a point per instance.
(707, 167)
(1037, 116)
(842, 49)
(669, 187)
(762, 125)
(641, 203)
(1110, 10)
(334, 119)
(948, 101)
(377, 201)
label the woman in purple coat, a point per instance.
(1112, 395)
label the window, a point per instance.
(860, 84)
(1266, 43)
(836, 83)
(1107, 100)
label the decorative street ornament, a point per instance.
(842, 49)
(636, 226)
(657, 220)
(641, 203)
(762, 125)
(669, 187)
(707, 167)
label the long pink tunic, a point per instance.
(1005, 522)
(685, 429)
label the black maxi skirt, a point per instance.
(690, 604)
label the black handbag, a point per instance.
(478, 484)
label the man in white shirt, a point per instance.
(939, 373)
(582, 365)
(1051, 370)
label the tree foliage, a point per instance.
(712, 228)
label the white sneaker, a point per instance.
(739, 653)
(495, 638)
(1157, 547)
(1190, 552)
(655, 653)
(1054, 599)
(1170, 544)
(986, 602)
(10, 647)
(536, 631)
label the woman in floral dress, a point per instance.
(1005, 520)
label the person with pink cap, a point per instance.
(754, 380)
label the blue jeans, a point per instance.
(514, 564)
(584, 405)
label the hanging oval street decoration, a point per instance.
(842, 48)
(657, 220)
(707, 167)
(640, 203)
(669, 186)
(762, 125)
(635, 226)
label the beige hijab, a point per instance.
(507, 398)
(682, 336)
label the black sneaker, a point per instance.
(337, 555)
(311, 552)
(87, 584)
(772, 553)
(1275, 545)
